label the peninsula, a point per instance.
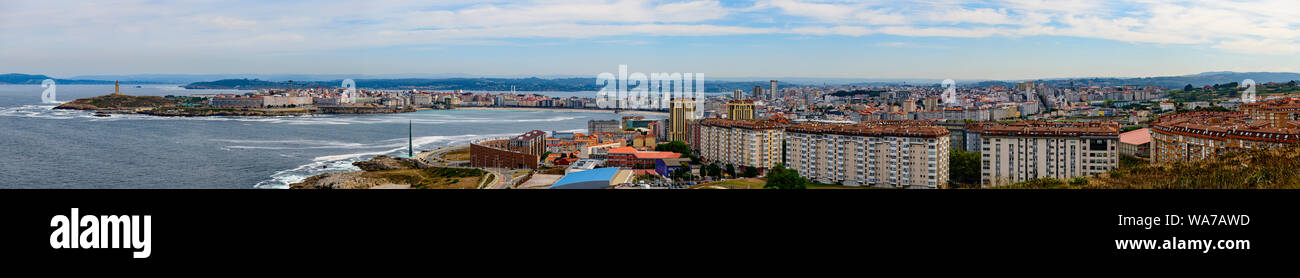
(266, 103)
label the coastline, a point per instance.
(158, 106)
(630, 112)
(428, 170)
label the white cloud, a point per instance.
(1270, 27)
(37, 30)
(1260, 46)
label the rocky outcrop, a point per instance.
(389, 172)
(117, 103)
(350, 180)
(356, 180)
(384, 163)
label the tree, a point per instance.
(713, 170)
(675, 146)
(683, 173)
(781, 178)
(750, 172)
(1188, 88)
(963, 166)
(1079, 181)
(678, 147)
(731, 170)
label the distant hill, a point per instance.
(18, 78)
(247, 84)
(569, 83)
(1169, 82)
(191, 78)
(476, 84)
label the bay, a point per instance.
(45, 148)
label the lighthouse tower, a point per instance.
(117, 88)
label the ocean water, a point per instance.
(45, 148)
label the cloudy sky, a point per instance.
(995, 39)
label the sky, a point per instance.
(937, 39)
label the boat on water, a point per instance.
(102, 114)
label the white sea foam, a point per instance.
(343, 162)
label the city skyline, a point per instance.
(995, 40)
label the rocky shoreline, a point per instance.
(395, 173)
(356, 180)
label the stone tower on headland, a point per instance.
(117, 88)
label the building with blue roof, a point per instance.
(598, 178)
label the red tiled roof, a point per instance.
(657, 155)
(644, 155)
(622, 150)
(1136, 137)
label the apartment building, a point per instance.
(1028, 150)
(1193, 136)
(747, 143)
(682, 113)
(599, 126)
(740, 110)
(899, 154)
(532, 142)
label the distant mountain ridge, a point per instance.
(571, 83)
(18, 78)
(192, 78)
(473, 84)
(1176, 82)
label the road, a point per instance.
(433, 159)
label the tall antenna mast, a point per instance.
(410, 139)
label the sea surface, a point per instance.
(45, 148)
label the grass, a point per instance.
(816, 185)
(757, 183)
(1259, 169)
(432, 178)
(750, 183)
(456, 155)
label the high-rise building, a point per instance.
(758, 92)
(909, 105)
(1028, 90)
(681, 114)
(742, 143)
(772, 93)
(1028, 150)
(931, 104)
(900, 154)
(738, 95)
(740, 110)
(811, 97)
